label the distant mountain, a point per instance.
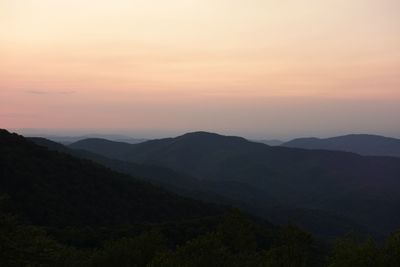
(103, 147)
(363, 144)
(66, 140)
(59, 210)
(346, 185)
(54, 189)
(234, 193)
(168, 178)
(272, 142)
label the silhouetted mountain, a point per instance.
(57, 210)
(49, 144)
(51, 188)
(77, 213)
(66, 140)
(361, 189)
(165, 177)
(102, 146)
(234, 193)
(363, 144)
(272, 142)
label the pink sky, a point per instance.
(255, 68)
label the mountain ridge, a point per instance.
(300, 178)
(54, 188)
(238, 194)
(363, 144)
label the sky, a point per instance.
(256, 68)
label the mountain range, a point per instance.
(234, 193)
(66, 140)
(64, 206)
(59, 209)
(55, 189)
(358, 191)
(363, 144)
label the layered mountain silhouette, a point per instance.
(60, 210)
(363, 144)
(343, 185)
(51, 188)
(66, 140)
(270, 142)
(238, 194)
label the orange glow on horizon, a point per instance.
(112, 56)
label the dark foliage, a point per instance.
(54, 189)
(56, 210)
(328, 192)
(236, 193)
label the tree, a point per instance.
(293, 248)
(207, 250)
(130, 252)
(349, 252)
(237, 232)
(391, 250)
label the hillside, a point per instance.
(238, 194)
(363, 144)
(270, 142)
(51, 188)
(362, 189)
(104, 147)
(66, 140)
(58, 210)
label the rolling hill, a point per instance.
(363, 144)
(361, 189)
(51, 188)
(66, 140)
(60, 210)
(238, 194)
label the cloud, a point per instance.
(41, 92)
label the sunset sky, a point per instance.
(258, 68)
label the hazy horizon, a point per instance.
(154, 134)
(260, 69)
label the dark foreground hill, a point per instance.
(238, 194)
(363, 144)
(361, 189)
(55, 189)
(58, 210)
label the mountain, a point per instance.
(66, 140)
(238, 194)
(102, 146)
(363, 144)
(162, 176)
(59, 210)
(272, 142)
(360, 189)
(54, 189)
